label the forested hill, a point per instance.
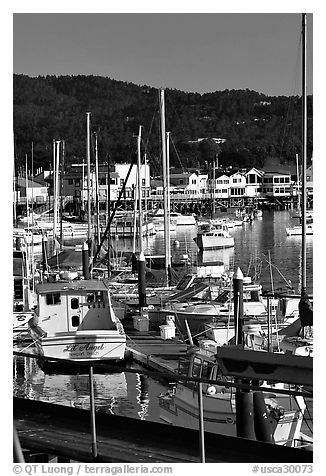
(254, 125)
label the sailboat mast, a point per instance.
(165, 186)
(88, 156)
(298, 180)
(56, 189)
(214, 183)
(61, 193)
(139, 192)
(97, 192)
(168, 201)
(304, 154)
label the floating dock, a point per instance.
(151, 351)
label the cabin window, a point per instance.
(75, 321)
(53, 298)
(74, 303)
(196, 367)
(207, 369)
(90, 297)
(99, 296)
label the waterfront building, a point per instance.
(276, 183)
(254, 179)
(33, 190)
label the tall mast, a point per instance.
(304, 154)
(56, 188)
(88, 156)
(298, 180)
(168, 204)
(214, 182)
(27, 215)
(165, 188)
(61, 193)
(97, 193)
(15, 198)
(139, 192)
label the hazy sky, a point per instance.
(198, 52)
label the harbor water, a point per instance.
(134, 395)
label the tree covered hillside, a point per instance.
(253, 125)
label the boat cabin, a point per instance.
(72, 306)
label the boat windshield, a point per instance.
(223, 297)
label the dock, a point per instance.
(151, 351)
(47, 431)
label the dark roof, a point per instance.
(85, 285)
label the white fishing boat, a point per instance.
(183, 220)
(76, 321)
(158, 219)
(214, 237)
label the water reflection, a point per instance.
(254, 242)
(225, 256)
(127, 394)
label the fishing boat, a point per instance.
(284, 414)
(76, 321)
(211, 236)
(158, 219)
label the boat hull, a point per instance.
(81, 345)
(205, 242)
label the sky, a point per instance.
(192, 52)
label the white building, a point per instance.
(254, 178)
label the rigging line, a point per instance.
(273, 265)
(174, 147)
(295, 81)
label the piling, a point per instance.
(244, 414)
(141, 281)
(44, 253)
(243, 398)
(261, 424)
(134, 264)
(85, 260)
(238, 305)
